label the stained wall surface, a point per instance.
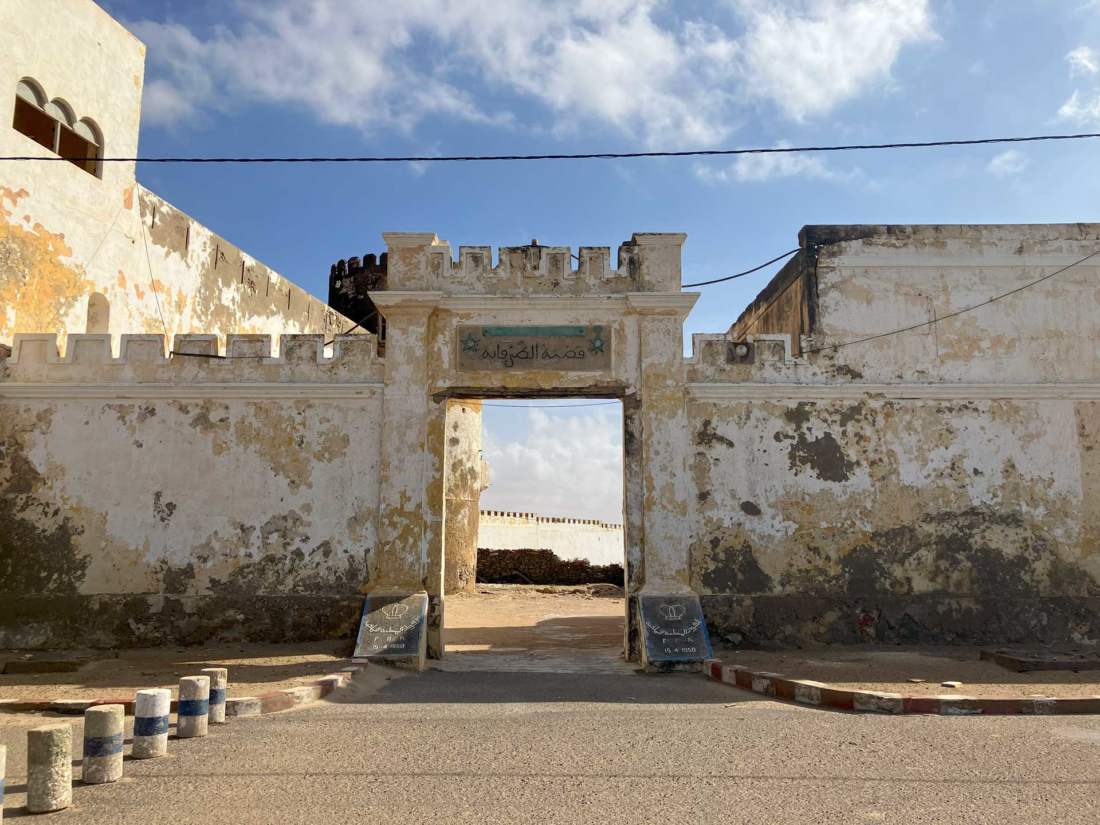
(935, 485)
(81, 252)
(144, 501)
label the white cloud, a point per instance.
(1009, 163)
(1083, 61)
(763, 167)
(630, 64)
(1082, 111)
(567, 465)
(810, 56)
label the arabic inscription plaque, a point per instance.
(513, 349)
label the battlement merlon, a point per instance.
(420, 261)
(192, 360)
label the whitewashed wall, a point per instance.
(597, 541)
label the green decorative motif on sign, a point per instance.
(535, 332)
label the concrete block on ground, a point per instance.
(71, 707)
(303, 694)
(151, 710)
(49, 768)
(193, 709)
(242, 706)
(877, 701)
(219, 684)
(103, 738)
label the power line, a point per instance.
(786, 254)
(770, 150)
(954, 314)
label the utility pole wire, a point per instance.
(937, 319)
(687, 153)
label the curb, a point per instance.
(273, 702)
(822, 695)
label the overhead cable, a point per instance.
(686, 153)
(954, 314)
(786, 254)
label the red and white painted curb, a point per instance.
(822, 695)
(273, 702)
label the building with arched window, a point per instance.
(73, 234)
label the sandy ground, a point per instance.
(253, 669)
(890, 669)
(531, 628)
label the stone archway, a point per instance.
(529, 327)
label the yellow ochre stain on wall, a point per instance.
(36, 286)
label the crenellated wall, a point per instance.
(146, 499)
(599, 542)
(101, 253)
(939, 484)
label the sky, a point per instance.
(432, 77)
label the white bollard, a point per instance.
(49, 768)
(193, 707)
(103, 744)
(219, 683)
(151, 709)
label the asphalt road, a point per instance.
(485, 747)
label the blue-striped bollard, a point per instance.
(193, 707)
(151, 709)
(219, 683)
(103, 744)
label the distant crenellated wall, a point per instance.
(599, 542)
(147, 499)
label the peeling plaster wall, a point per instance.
(464, 480)
(66, 235)
(145, 501)
(933, 486)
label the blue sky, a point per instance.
(261, 77)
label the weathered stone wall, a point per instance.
(464, 480)
(73, 245)
(598, 542)
(145, 501)
(937, 485)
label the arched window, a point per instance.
(53, 124)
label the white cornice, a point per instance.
(916, 392)
(660, 303)
(187, 392)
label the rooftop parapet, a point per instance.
(143, 359)
(648, 262)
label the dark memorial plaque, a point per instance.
(392, 626)
(511, 349)
(674, 629)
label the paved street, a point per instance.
(475, 746)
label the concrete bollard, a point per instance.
(219, 683)
(49, 768)
(103, 744)
(193, 708)
(151, 709)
